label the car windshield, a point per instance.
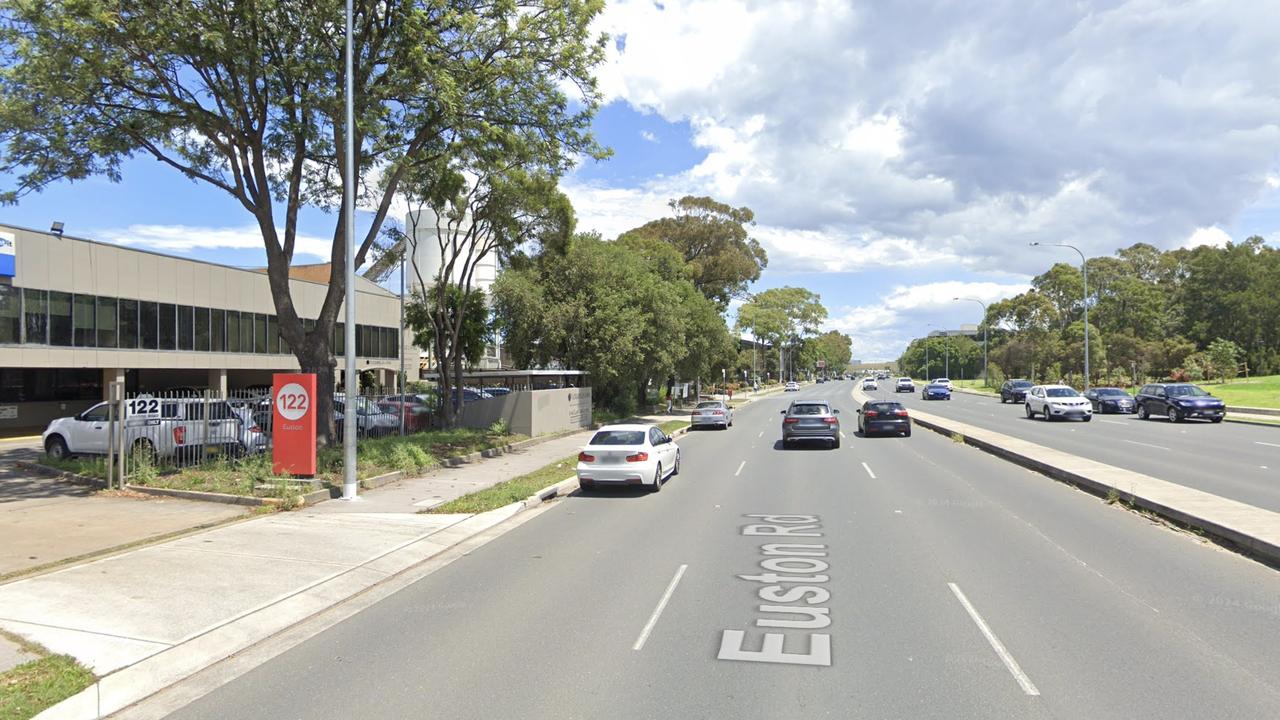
(809, 409)
(1186, 391)
(1061, 392)
(1110, 392)
(618, 437)
(1020, 384)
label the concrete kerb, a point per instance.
(1259, 537)
(63, 475)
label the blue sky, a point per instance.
(888, 182)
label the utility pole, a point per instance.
(350, 484)
(1084, 270)
(986, 381)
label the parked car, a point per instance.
(628, 455)
(791, 386)
(371, 420)
(1057, 401)
(1111, 399)
(1178, 402)
(1014, 391)
(934, 391)
(878, 416)
(870, 384)
(417, 413)
(904, 384)
(169, 428)
(808, 420)
(496, 391)
(943, 381)
(713, 413)
(253, 437)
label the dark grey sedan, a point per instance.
(809, 420)
(1111, 400)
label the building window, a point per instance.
(83, 321)
(233, 331)
(107, 316)
(202, 329)
(395, 342)
(128, 323)
(149, 325)
(10, 314)
(168, 326)
(339, 338)
(246, 332)
(35, 308)
(218, 330)
(260, 333)
(43, 384)
(273, 335)
(186, 328)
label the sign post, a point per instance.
(293, 423)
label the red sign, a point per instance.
(293, 423)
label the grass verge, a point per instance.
(30, 688)
(976, 385)
(671, 426)
(1260, 392)
(509, 491)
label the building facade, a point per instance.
(76, 315)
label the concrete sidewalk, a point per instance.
(147, 618)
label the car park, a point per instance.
(883, 416)
(1057, 401)
(638, 454)
(1111, 400)
(164, 428)
(713, 413)
(904, 384)
(809, 420)
(791, 386)
(870, 384)
(934, 391)
(1178, 402)
(1014, 391)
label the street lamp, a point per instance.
(1084, 269)
(986, 382)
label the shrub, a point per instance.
(500, 427)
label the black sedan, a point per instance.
(879, 416)
(1014, 391)
(1111, 400)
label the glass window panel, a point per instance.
(107, 317)
(273, 334)
(83, 321)
(246, 332)
(168, 331)
(186, 328)
(149, 325)
(10, 314)
(218, 330)
(233, 331)
(395, 342)
(35, 304)
(59, 318)
(128, 323)
(260, 333)
(339, 338)
(202, 329)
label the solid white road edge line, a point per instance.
(1014, 669)
(662, 604)
(1135, 442)
(1259, 442)
(868, 469)
(739, 470)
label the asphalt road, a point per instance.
(948, 583)
(1233, 460)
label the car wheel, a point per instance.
(1173, 415)
(906, 433)
(56, 448)
(1142, 413)
(1030, 413)
(1003, 400)
(1087, 418)
(835, 443)
(1216, 420)
(144, 448)
(675, 469)
(657, 479)
(586, 486)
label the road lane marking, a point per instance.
(739, 470)
(1112, 422)
(1135, 442)
(868, 469)
(761, 434)
(1259, 442)
(662, 604)
(1027, 686)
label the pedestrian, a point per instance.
(668, 403)
(730, 394)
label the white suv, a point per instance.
(1051, 401)
(177, 428)
(945, 382)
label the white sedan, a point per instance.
(1054, 401)
(945, 382)
(628, 455)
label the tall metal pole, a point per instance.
(986, 381)
(400, 345)
(350, 484)
(1084, 270)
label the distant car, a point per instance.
(807, 420)
(1057, 401)
(821, 380)
(904, 384)
(498, 390)
(371, 420)
(943, 381)
(628, 455)
(934, 391)
(417, 413)
(1111, 399)
(714, 413)
(870, 384)
(1014, 391)
(878, 416)
(793, 385)
(1178, 402)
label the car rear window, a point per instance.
(706, 405)
(618, 437)
(809, 409)
(885, 406)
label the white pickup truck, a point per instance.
(168, 428)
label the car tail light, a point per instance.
(586, 457)
(872, 413)
(255, 429)
(718, 412)
(903, 413)
(829, 420)
(790, 421)
(638, 457)
(179, 435)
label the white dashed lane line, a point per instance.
(1014, 669)
(1135, 442)
(868, 469)
(739, 470)
(657, 612)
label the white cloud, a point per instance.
(1213, 236)
(649, 137)
(180, 239)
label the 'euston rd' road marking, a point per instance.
(1135, 442)
(868, 469)
(1259, 442)
(739, 470)
(662, 604)
(1027, 686)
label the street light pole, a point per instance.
(1084, 270)
(986, 381)
(350, 426)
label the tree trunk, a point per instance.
(322, 364)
